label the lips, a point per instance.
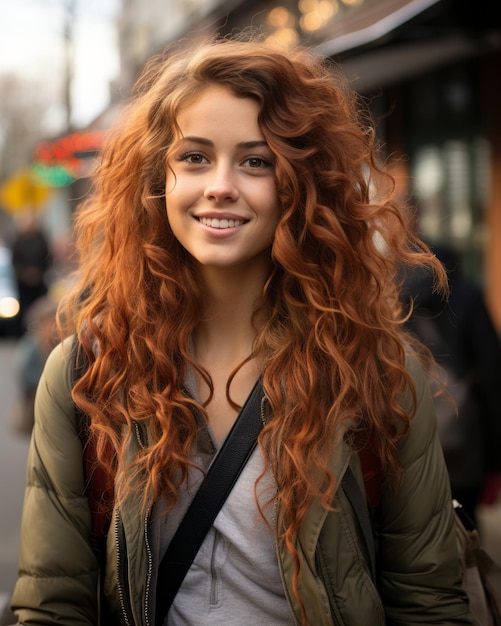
(221, 223)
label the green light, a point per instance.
(55, 176)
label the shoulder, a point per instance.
(58, 367)
(417, 401)
(56, 446)
(54, 404)
(418, 375)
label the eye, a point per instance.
(193, 157)
(256, 162)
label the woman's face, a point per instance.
(221, 195)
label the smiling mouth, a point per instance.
(215, 222)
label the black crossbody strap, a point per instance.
(221, 476)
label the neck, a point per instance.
(228, 326)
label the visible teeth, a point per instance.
(215, 222)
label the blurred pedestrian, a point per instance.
(31, 259)
(231, 251)
(32, 350)
(462, 337)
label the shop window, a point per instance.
(450, 182)
(449, 160)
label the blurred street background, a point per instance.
(428, 69)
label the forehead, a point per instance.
(217, 108)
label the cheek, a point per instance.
(268, 199)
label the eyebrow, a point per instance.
(260, 143)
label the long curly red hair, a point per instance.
(333, 345)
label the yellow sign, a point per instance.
(21, 192)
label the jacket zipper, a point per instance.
(149, 570)
(121, 593)
(264, 399)
(149, 573)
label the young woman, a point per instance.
(242, 228)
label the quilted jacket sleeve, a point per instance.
(57, 568)
(420, 579)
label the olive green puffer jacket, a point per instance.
(418, 570)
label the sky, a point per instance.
(32, 47)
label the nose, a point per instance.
(221, 184)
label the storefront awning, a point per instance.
(367, 23)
